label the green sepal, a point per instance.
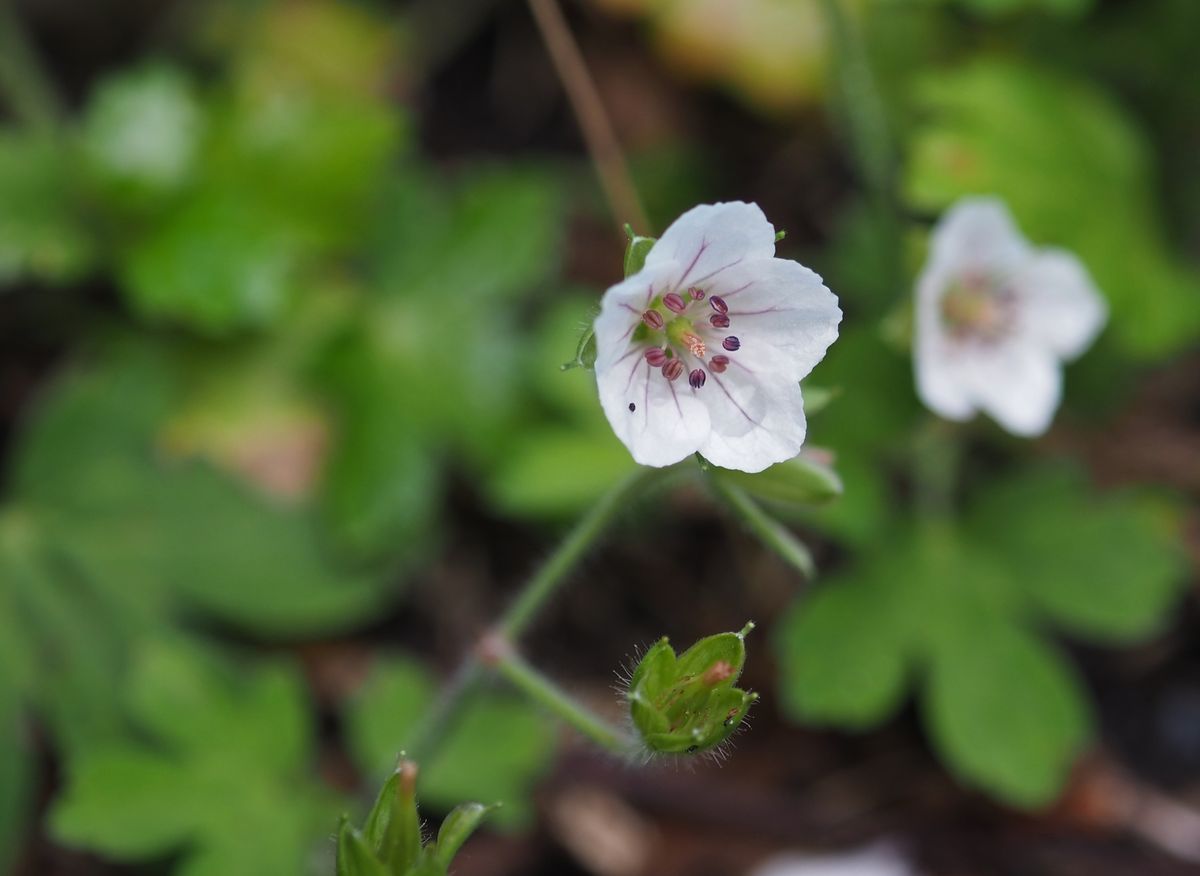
(585, 350)
(688, 703)
(800, 481)
(636, 251)
(457, 828)
(402, 834)
(354, 854)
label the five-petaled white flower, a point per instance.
(996, 318)
(704, 348)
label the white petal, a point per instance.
(755, 422)
(976, 234)
(667, 422)
(621, 311)
(881, 859)
(711, 238)
(782, 313)
(1062, 308)
(939, 377)
(1019, 384)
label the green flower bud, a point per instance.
(390, 842)
(687, 704)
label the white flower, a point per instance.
(996, 318)
(881, 859)
(704, 348)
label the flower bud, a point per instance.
(687, 704)
(391, 842)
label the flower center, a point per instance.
(978, 307)
(680, 327)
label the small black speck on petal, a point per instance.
(632, 407)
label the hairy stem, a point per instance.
(530, 600)
(597, 130)
(547, 694)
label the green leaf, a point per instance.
(844, 658)
(495, 750)
(218, 263)
(142, 131)
(42, 230)
(1006, 712)
(236, 805)
(177, 533)
(1076, 172)
(457, 828)
(556, 472)
(16, 767)
(1107, 567)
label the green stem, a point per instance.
(862, 105)
(531, 599)
(766, 528)
(546, 581)
(937, 458)
(546, 693)
(27, 89)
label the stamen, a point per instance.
(695, 344)
(697, 293)
(697, 378)
(653, 319)
(718, 364)
(673, 369)
(674, 302)
(731, 343)
(656, 356)
(718, 304)
(719, 320)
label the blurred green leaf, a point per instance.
(239, 806)
(1106, 567)
(143, 130)
(1076, 172)
(845, 658)
(16, 764)
(497, 747)
(43, 230)
(1006, 712)
(457, 828)
(958, 609)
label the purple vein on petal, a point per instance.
(742, 288)
(678, 407)
(632, 371)
(712, 274)
(758, 312)
(741, 410)
(688, 270)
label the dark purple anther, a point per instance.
(697, 378)
(656, 356)
(718, 364)
(719, 320)
(673, 370)
(654, 319)
(674, 302)
(697, 293)
(731, 343)
(718, 304)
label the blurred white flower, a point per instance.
(996, 318)
(877, 860)
(704, 348)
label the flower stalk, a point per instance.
(764, 527)
(507, 663)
